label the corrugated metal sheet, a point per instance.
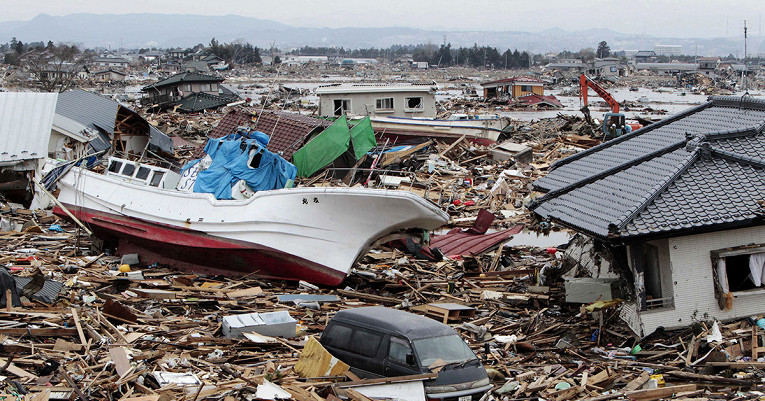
(25, 123)
(462, 243)
(87, 108)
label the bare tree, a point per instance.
(56, 68)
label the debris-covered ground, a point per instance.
(78, 323)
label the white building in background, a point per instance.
(378, 100)
(668, 50)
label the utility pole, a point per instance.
(744, 41)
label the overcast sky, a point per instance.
(675, 18)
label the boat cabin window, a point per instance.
(143, 173)
(156, 178)
(115, 166)
(128, 170)
(414, 103)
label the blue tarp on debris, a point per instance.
(242, 157)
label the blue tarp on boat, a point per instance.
(241, 156)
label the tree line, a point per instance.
(442, 56)
(237, 52)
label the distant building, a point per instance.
(382, 100)
(708, 66)
(608, 67)
(109, 75)
(667, 68)
(645, 56)
(300, 60)
(512, 87)
(191, 91)
(567, 64)
(668, 50)
(118, 62)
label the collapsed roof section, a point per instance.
(700, 170)
(288, 131)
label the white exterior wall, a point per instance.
(693, 283)
(364, 103)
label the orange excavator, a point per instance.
(614, 123)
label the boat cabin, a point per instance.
(145, 174)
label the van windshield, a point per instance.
(449, 349)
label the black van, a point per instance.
(378, 342)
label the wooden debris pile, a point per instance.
(151, 333)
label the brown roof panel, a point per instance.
(230, 122)
(288, 131)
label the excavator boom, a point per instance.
(585, 83)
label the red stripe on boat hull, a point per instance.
(193, 250)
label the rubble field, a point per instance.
(79, 323)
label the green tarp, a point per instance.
(363, 138)
(324, 149)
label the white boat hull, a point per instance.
(316, 234)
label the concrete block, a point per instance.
(273, 324)
(588, 290)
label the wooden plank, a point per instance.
(77, 324)
(388, 380)
(120, 359)
(38, 332)
(659, 393)
(15, 370)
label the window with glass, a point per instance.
(398, 350)
(384, 104)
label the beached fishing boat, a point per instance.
(312, 234)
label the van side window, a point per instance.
(398, 350)
(337, 335)
(365, 342)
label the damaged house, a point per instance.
(680, 206)
(25, 128)
(188, 92)
(65, 126)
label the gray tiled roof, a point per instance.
(183, 77)
(659, 179)
(199, 101)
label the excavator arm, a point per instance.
(585, 83)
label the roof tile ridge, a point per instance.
(654, 194)
(629, 136)
(735, 133)
(738, 101)
(588, 180)
(737, 157)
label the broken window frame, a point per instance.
(637, 262)
(343, 109)
(718, 254)
(420, 107)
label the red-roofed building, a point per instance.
(512, 88)
(540, 101)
